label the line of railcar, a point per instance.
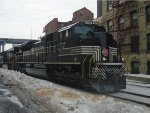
(80, 54)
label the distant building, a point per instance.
(82, 15)
(78, 16)
(54, 25)
(129, 22)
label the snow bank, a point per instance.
(11, 97)
(71, 100)
(28, 81)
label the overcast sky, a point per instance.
(19, 17)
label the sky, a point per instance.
(25, 19)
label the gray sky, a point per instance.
(18, 17)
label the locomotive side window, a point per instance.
(64, 34)
(67, 33)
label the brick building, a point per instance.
(82, 15)
(129, 22)
(54, 25)
(78, 16)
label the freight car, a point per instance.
(81, 54)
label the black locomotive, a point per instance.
(81, 54)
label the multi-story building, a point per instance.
(80, 15)
(129, 22)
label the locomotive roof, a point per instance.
(80, 23)
(27, 45)
(37, 44)
(11, 49)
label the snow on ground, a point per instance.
(139, 75)
(138, 83)
(71, 100)
(11, 97)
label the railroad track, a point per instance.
(139, 84)
(138, 92)
(137, 98)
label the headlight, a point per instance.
(104, 58)
(122, 59)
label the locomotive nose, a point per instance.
(101, 36)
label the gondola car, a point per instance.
(81, 54)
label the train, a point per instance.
(82, 54)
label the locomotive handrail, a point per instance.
(100, 63)
(83, 65)
(90, 64)
(94, 54)
(81, 47)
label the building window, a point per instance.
(148, 14)
(109, 5)
(121, 23)
(148, 42)
(109, 25)
(135, 44)
(134, 18)
(135, 67)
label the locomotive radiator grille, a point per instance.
(98, 73)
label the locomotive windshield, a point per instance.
(82, 30)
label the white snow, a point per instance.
(137, 83)
(11, 97)
(104, 105)
(139, 90)
(15, 100)
(139, 75)
(72, 100)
